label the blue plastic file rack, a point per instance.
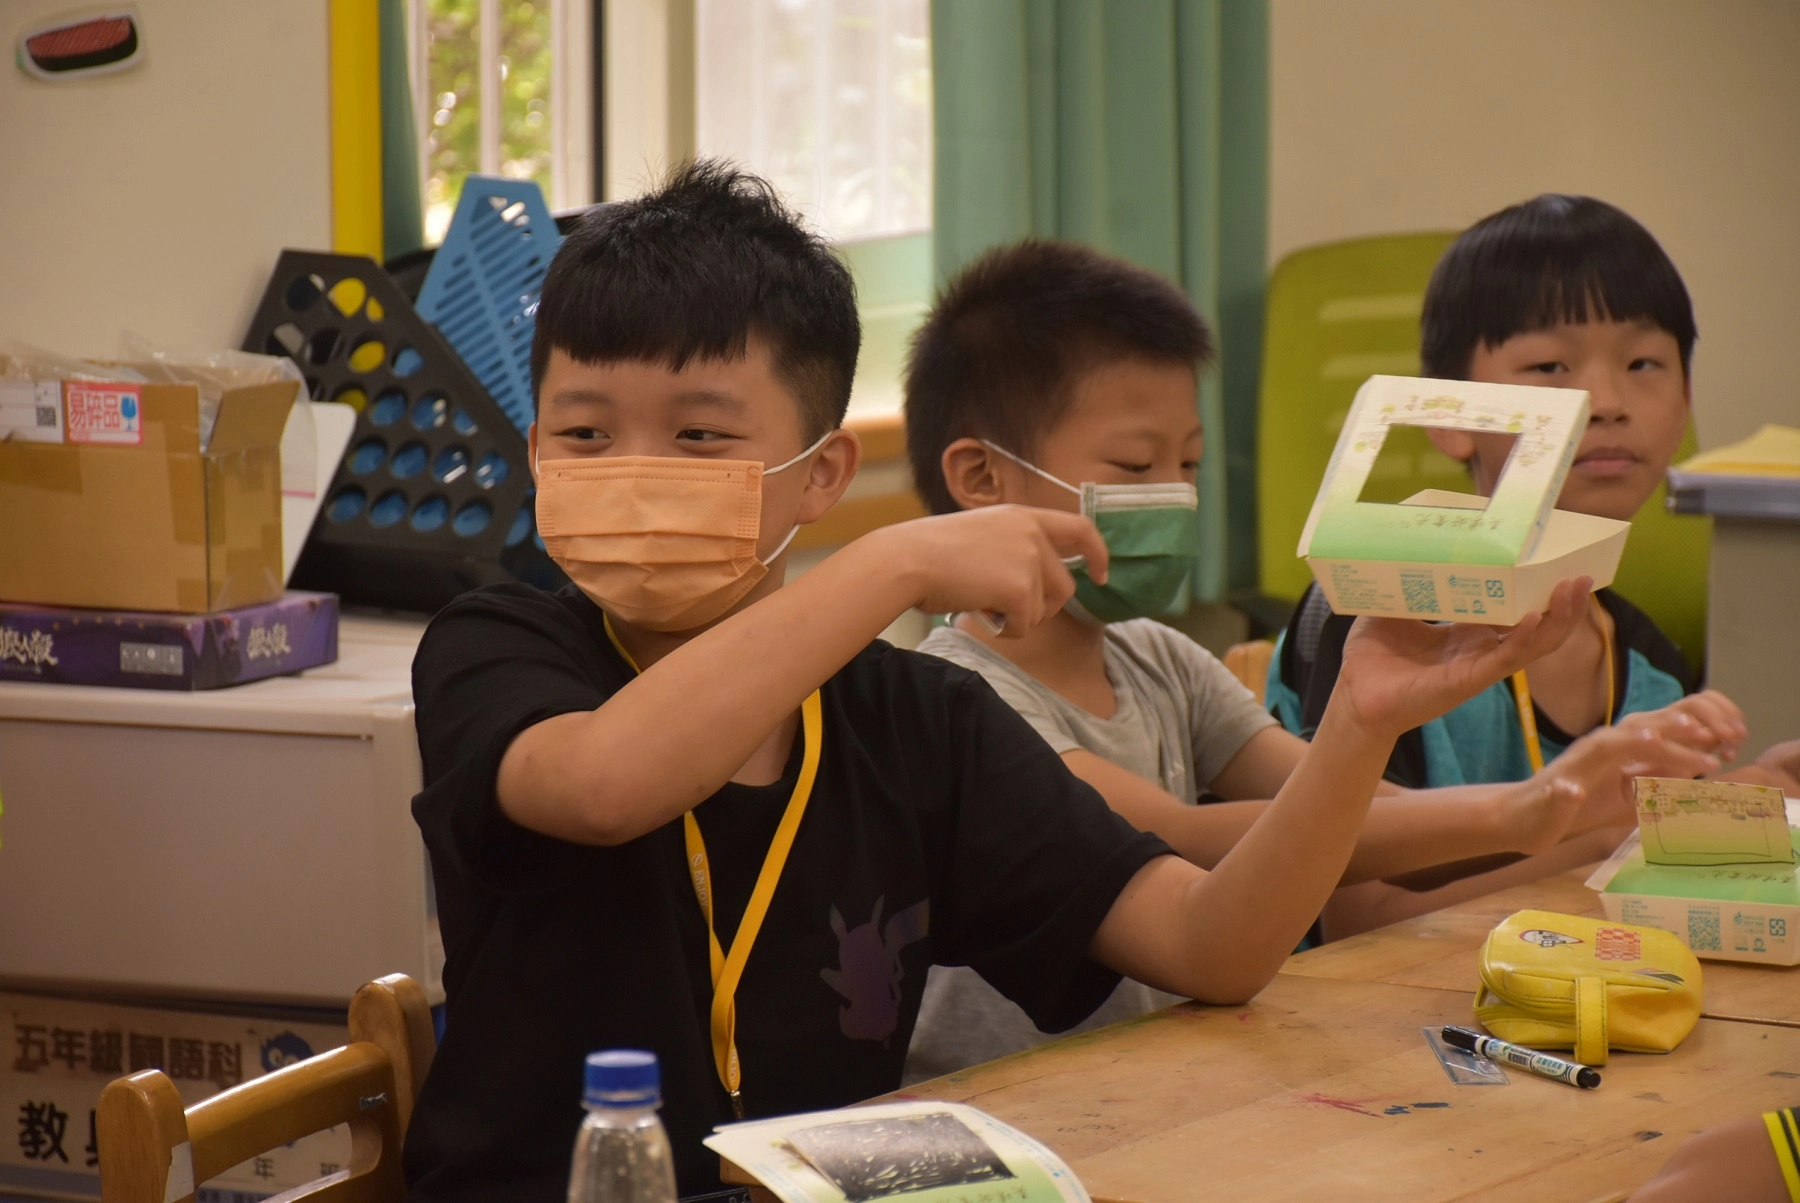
(482, 289)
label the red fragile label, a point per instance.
(103, 413)
(1617, 944)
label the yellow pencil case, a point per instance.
(1562, 981)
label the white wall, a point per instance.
(1394, 115)
(157, 199)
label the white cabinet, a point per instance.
(1752, 636)
(246, 844)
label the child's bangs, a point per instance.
(1597, 266)
(1549, 261)
(615, 317)
(1575, 292)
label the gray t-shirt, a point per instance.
(1181, 716)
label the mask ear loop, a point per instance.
(994, 621)
(767, 472)
(1031, 467)
(790, 463)
(776, 554)
(1068, 561)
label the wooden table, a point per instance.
(1326, 1089)
(1323, 1087)
(1440, 951)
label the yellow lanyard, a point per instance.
(1534, 751)
(728, 968)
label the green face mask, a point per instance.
(1152, 534)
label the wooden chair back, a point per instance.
(1249, 663)
(153, 1151)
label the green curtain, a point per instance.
(1138, 127)
(402, 212)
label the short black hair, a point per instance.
(1002, 348)
(1550, 260)
(689, 271)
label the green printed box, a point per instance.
(1454, 556)
(1724, 912)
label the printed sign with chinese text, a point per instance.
(103, 413)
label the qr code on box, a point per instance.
(1419, 591)
(1703, 931)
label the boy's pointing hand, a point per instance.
(1007, 561)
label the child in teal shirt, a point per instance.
(1566, 291)
(1571, 292)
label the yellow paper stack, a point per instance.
(1758, 477)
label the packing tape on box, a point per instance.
(247, 574)
(187, 524)
(50, 469)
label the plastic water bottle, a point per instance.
(622, 1153)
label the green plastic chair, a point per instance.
(1342, 312)
(1664, 570)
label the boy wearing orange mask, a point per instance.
(682, 806)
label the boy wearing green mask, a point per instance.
(1053, 376)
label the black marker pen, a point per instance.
(1572, 1072)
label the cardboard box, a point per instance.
(142, 650)
(1724, 912)
(1442, 555)
(113, 504)
(61, 1053)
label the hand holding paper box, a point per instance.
(1442, 555)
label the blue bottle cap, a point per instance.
(623, 1078)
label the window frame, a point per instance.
(572, 109)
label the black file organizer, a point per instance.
(434, 495)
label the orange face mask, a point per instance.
(664, 542)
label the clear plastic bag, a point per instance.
(215, 372)
(144, 362)
(23, 361)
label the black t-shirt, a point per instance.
(1312, 653)
(941, 829)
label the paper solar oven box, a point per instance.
(1450, 556)
(1715, 862)
(143, 650)
(108, 499)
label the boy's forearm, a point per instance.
(1237, 930)
(1236, 925)
(1405, 830)
(669, 739)
(1409, 830)
(1375, 904)
(675, 734)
